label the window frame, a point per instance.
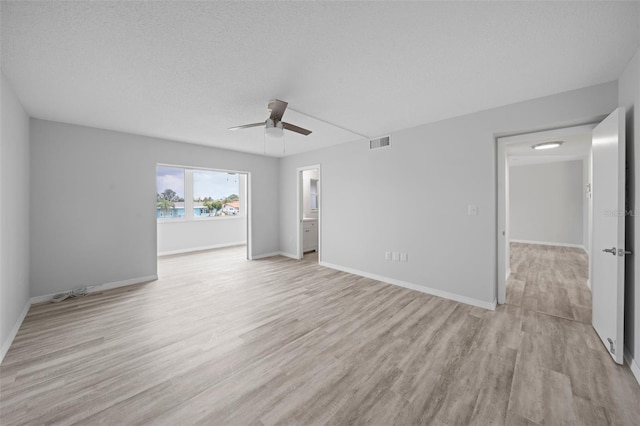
(189, 204)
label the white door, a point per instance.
(608, 250)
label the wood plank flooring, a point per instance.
(222, 340)
(551, 280)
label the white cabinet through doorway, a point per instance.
(310, 235)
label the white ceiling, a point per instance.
(575, 146)
(189, 70)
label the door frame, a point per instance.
(502, 229)
(248, 207)
(300, 210)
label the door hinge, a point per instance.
(611, 348)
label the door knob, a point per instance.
(613, 251)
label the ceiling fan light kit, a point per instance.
(273, 129)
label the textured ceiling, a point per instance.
(189, 70)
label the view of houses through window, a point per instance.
(184, 193)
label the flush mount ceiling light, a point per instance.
(547, 145)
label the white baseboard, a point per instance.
(14, 331)
(265, 255)
(99, 287)
(275, 253)
(202, 248)
(547, 243)
(432, 291)
(291, 255)
(635, 368)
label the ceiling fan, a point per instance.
(274, 124)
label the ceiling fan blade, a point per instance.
(295, 129)
(277, 108)
(246, 126)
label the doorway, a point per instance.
(604, 239)
(548, 209)
(516, 153)
(309, 217)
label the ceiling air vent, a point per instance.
(380, 142)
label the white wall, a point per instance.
(546, 203)
(413, 197)
(76, 171)
(200, 234)
(14, 214)
(629, 97)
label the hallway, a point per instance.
(550, 280)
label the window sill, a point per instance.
(200, 219)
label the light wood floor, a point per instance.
(221, 340)
(550, 280)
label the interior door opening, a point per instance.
(548, 205)
(601, 215)
(309, 218)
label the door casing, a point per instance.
(502, 256)
(300, 210)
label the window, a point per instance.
(313, 194)
(169, 192)
(216, 193)
(195, 193)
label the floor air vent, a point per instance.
(380, 142)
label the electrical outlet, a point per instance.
(404, 257)
(387, 255)
(472, 210)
